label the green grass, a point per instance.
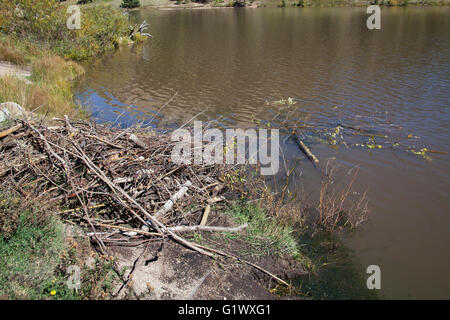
(264, 234)
(30, 246)
(50, 92)
(35, 254)
(48, 46)
(335, 273)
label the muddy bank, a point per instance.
(166, 271)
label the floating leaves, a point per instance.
(289, 101)
(422, 153)
(335, 137)
(372, 133)
(371, 144)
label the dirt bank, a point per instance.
(165, 270)
(8, 69)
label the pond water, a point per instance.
(394, 81)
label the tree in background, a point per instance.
(130, 3)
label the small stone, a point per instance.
(4, 115)
(10, 110)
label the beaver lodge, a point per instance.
(120, 187)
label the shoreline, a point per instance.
(279, 4)
(201, 238)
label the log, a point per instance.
(215, 200)
(169, 204)
(207, 228)
(305, 149)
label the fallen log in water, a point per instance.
(304, 148)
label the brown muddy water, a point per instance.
(394, 81)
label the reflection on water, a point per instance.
(231, 62)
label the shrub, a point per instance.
(239, 4)
(130, 3)
(41, 18)
(44, 21)
(264, 234)
(101, 27)
(10, 55)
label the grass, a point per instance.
(101, 27)
(9, 54)
(50, 48)
(308, 230)
(35, 254)
(31, 242)
(264, 234)
(50, 93)
(335, 273)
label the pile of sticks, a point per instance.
(120, 185)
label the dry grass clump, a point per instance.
(55, 68)
(9, 54)
(9, 215)
(340, 208)
(50, 93)
(51, 99)
(336, 205)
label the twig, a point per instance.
(10, 130)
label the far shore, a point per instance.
(173, 5)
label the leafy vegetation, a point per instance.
(130, 4)
(84, 1)
(44, 23)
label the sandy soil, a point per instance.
(167, 270)
(10, 69)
